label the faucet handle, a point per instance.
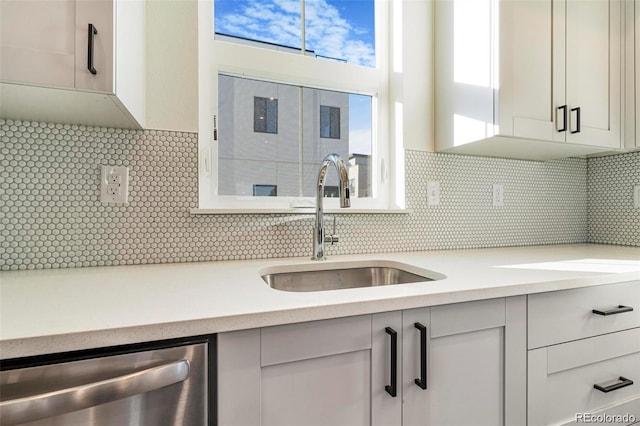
(333, 238)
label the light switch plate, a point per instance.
(433, 193)
(114, 184)
(498, 195)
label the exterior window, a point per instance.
(283, 83)
(288, 154)
(329, 122)
(265, 190)
(331, 191)
(336, 30)
(265, 115)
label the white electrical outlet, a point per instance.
(498, 195)
(114, 184)
(636, 197)
(433, 193)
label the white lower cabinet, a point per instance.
(583, 380)
(476, 365)
(584, 357)
(461, 364)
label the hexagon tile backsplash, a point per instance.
(612, 216)
(51, 215)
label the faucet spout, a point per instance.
(345, 201)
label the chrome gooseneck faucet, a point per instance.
(318, 231)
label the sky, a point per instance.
(340, 29)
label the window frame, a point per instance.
(225, 57)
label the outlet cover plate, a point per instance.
(498, 195)
(114, 184)
(433, 193)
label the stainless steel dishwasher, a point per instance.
(157, 386)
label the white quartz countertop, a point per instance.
(47, 311)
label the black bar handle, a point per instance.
(577, 110)
(623, 383)
(563, 108)
(422, 381)
(93, 31)
(392, 389)
(619, 310)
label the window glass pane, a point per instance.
(265, 115)
(342, 30)
(246, 157)
(360, 145)
(334, 123)
(265, 190)
(351, 128)
(274, 22)
(260, 114)
(329, 122)
(249, 160)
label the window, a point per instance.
(329, 122)
(265, 115)
(288, 156)
(338, 30)
(331, 191)
(311, 77)
(265, 190)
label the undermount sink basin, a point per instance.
(341, 275)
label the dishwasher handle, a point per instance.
(51, 404)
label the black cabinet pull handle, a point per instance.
(392, 389)
(577, 110)
(93, 31)
(623, 383)
(619, 310)
(422, 381)
(563, 108)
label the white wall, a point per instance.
(172, 65)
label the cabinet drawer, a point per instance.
(562, 379)
(295, 342)
(561, 316)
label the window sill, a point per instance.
(305, 210)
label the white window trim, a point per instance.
(217, 56)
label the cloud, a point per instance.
(328, 33)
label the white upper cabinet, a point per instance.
(591, 84)
(632, 81)
(73, 61)
(30, 51)
(530, 79)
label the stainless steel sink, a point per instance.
(335, 276)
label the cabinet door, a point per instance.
(476, 360)
(526, 70)
(330, 372)
(99, 13)
(467, 364)
(37, 42)
(593, 42)
(386, 409)
(415, 395)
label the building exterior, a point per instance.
(259, 146)
(359, 182)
